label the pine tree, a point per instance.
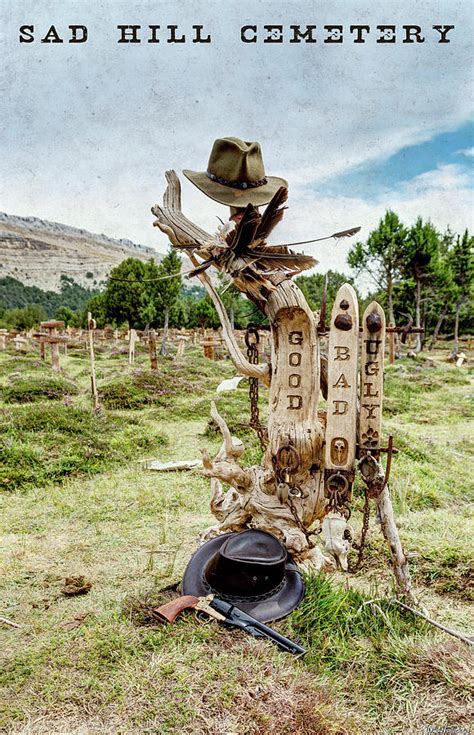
(167, 290)
(124, 292)
(421, 265)
(462, 264)
(381, 257)
(443, 288)
(313, 288)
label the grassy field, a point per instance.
(76, 500)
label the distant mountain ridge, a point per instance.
(38, 252)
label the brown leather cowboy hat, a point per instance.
(250, 569)
(235, 174)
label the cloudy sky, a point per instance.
(89, 129)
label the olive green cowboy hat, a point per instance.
(235, 174)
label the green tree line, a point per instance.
(22, 307)
(420, 275)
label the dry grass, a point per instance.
(131, 532)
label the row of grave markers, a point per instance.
(54, 334)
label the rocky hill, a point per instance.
(38, 253)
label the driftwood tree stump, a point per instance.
(303, 484)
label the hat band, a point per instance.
(237, 184)
(238, 598)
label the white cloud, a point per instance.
(445, 177)
(469, 152)
(442, 196)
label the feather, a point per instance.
(201, 268)
(346, 233)
(244, 233)
(275, 248)
(272, 214)
(285, 258)
(254, 286)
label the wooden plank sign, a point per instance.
(343, 347)
(371, 377)
(295, 437)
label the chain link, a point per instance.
(252, 340)
(337, 490)
(363, 536)
(300, 524)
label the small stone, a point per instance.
(76, 586)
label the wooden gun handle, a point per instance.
(170, 611)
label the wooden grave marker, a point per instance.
(20, 343)
(209, 346)
(341, 429)
(181, 347)
(132, 339)
(152, 349)
(371, 378)
(54, 339)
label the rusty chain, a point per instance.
(286, 463)
(363, 536)
(337, 490)
(370, 493)
(251, 340)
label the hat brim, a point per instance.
(231, 197)
(272, 608)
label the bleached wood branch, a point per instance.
(224, 429)
(184, 234)
(390, 532)
(450, 631)
(6, 621)
(225, 467)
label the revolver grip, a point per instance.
(170, 611)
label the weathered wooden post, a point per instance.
(132, 338)
(55, 356)
(152, 349)
(91, 325)
(341, 428)
(181, 347)
(391, 345)
(371, 378)
(20, 343)
(208, 346)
